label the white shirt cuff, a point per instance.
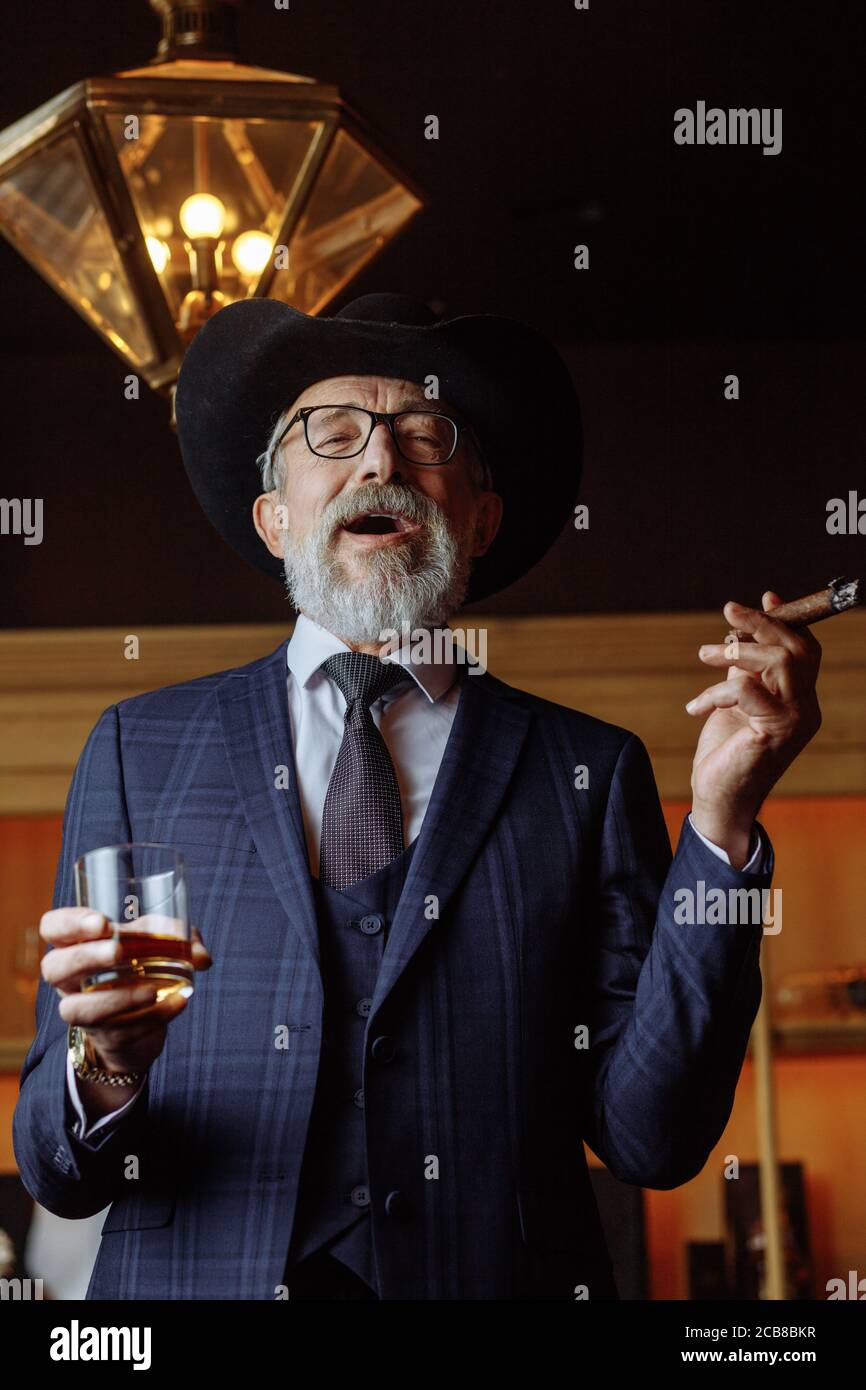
(756, 841)
(80, 1128)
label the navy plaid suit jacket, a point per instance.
(531, 907)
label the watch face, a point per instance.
(76, 1046)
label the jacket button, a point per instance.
(360, 1196)
(358, 1098)
(372, 924)
(396, 1205)
(384, 1049)
(363, 1007)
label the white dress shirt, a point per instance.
(414, 719)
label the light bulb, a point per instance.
(159, 253)
(250, 253)
(202, 215)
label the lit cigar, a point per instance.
(840, 595)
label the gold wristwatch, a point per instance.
(85, 1063)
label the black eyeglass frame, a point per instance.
(379, 417)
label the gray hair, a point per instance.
(269, 462)
(273, 471)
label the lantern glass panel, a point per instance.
(356, 207)
(250, 166)
(51, 214)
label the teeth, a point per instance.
(400, 521)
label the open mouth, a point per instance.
(380, 524)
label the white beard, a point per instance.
(420, 582)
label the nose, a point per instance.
(381, 460)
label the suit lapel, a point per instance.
(255, 722)
(480, 756)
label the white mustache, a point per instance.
(384, 497)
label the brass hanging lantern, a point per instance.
(152, 197)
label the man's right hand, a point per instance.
(126, 1025)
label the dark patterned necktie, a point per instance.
(362, 821)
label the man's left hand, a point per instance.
(760, 717)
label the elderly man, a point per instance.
(475, 954)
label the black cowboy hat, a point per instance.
(253, 358)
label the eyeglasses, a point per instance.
(343, 432)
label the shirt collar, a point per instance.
(310, 645)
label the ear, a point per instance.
(271, 520)
(488, 519)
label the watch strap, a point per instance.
(85, 1065)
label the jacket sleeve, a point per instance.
(670, 1003)
(68, 1176)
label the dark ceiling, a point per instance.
(556, 128)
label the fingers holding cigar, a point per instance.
(753, 625)
(779, 664)
(777, 657)
(761, 715)
(807, 638)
